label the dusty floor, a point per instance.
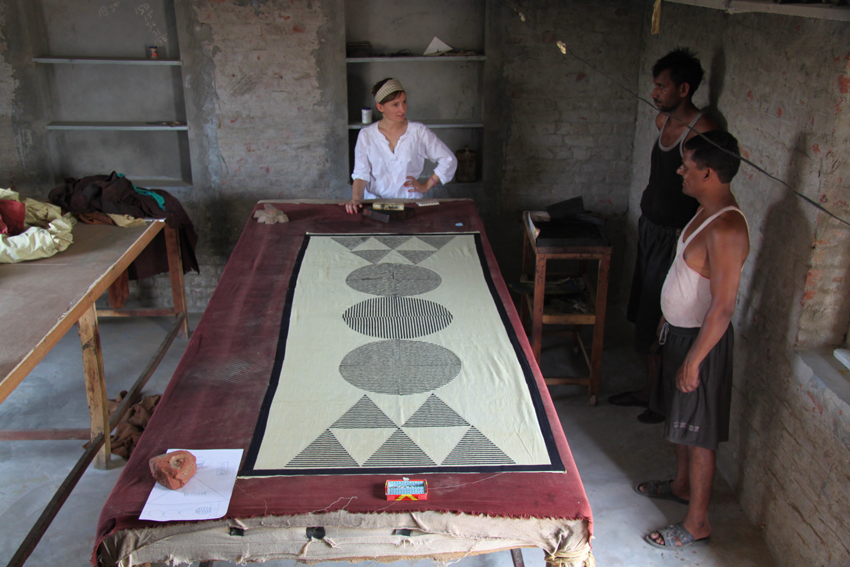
(612, 449)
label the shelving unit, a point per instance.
(113, 109)
(105, 61)
(431, 124)
(141, 126)
(445, 92)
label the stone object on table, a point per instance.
(173, 470)
(270, 215)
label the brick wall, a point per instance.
(265, 105)
(779, 83)
(567, 131)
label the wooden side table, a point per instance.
(534, 259)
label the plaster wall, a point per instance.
(780, 84)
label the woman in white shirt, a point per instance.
(390, 154)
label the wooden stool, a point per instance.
(534, 260)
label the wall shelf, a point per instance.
(138, 126)
(433, 124)
(105, 61)
(404, 59)
(824, 12)
(160, 183)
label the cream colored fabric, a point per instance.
(126, 221)
(489, 393)
(49, 231)
(350, 537)
(391, 86)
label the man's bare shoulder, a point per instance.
(660, 118)
(729, 232)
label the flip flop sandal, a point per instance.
(659, 489)
(671, 534)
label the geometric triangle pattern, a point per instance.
(350, 242)
(437, 442)
(435, 413)
(476, 449)
(362, 443)
(415, 256)
(364, 415)
(436, 241)
(373, 256)
(392, 241)
(399, 451)
(324, 452)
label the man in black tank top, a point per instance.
(665, 210)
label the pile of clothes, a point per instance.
(114, 199)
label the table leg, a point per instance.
(95, 384)
(516, 557)
(119, 291)
(175, 271)
(537, 309)
(599, 327)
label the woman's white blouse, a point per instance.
(386, 171)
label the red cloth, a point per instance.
(215, 395)
(12, 215)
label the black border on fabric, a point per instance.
(280, 352)
(556, 465)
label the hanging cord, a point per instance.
(567, 51)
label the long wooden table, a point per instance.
(216, 394)
(41, 300)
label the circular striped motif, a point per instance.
(397, 317)
(400, 368)
(393, 279)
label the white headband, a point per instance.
(391, 86)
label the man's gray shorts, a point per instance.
(699, 418)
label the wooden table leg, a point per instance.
(599, 327)
(95, 384)
(537, 309)
(175, 271)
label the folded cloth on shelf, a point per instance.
(114, 194)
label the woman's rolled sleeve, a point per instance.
(437, 151)
(362, 166)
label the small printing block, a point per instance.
(389, 216)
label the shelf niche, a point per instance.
(444, 92)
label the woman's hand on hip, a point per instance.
(415, 186)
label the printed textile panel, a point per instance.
(397, 356)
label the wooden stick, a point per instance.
(37, 532)
(34, 536)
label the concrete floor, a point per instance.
(612, 449)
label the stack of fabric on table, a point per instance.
(114, 199)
